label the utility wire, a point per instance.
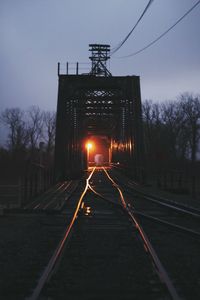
(115, 49)
(164, 33)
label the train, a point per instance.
(99, 159)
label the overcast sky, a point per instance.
(36, 34)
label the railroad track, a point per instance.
(104, 252)
(174, 230)
(158, 209)
(54, 198)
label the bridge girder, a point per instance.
(91, 105)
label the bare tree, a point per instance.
(190, 106)
(13, 118)
(174, 129)
(153, 128)
(35, 126)
(148, 124)
(49, 127)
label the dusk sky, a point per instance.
(36, 34)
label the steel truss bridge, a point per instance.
(97, 104)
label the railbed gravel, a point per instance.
(27, 243)
(179, 253)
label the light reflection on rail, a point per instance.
(54, 258)
(161, 271)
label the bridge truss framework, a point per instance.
(95, 105)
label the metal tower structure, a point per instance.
(99, 56)
(98, 104)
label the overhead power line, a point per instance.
(115, 49)
(164, 33)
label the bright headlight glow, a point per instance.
(89, 145)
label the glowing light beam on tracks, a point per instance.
(47, 272)
(158, 265)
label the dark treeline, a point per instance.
(172, 136)
(172, 129)
(28, 132)
(27, 156)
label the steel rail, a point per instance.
(162, 273)
(55, 196)
(43, 204)
(52, 262)
(159, 200)
(69, 192)
(174, 207)
(181, 228)
(57, 193)
(46, 195)
(103, 197)
(190, 231)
